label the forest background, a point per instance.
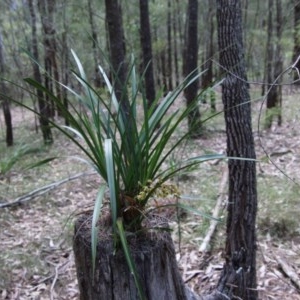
(271, 40)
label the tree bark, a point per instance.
(296, 51)
(190, 68)
(47, 10)
(238, 278)
(97, 77)
(175, 47)
(8, 121)
(278, 61)
(169, 67)
(181, 31)
(5, 102)
(271, 96)
(146, 44)
(207, 77)
(156, 59)
(117, 51)
(274, 64)
(154, 256)
(163, 69)
(65, 63)
(44, 111)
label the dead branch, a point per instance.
(213, 222)
(288, 271)
(58, 269)
(216, 295)
(40, 191)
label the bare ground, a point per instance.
(36, 259)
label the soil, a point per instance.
(36, 257)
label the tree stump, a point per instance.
(154, 256)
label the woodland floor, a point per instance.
(36, 259)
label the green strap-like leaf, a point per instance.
(109, 158)
(94, 230)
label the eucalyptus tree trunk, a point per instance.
(7, 118)
(278, 61)
(156, 58)
(4, 101)
(238, 278)
(296, 51)
(274, 63)
(47, 10)
(65, 62)
(175, 47)
(207, 77)
(271, 96)
(146, 45)
(117, 49)
(190, 67)
(270, 46)
(97, 77)
(163, 71)
(169, 67)
(251, 57)
(180, 32)
(44, 112)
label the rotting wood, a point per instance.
(214, 222)
(154, 256)
(41, 191)
(155, 261)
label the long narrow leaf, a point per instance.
(109, 157)
(40, 163)
(207, 157)
(114, 101)
(192, 210)
(94, 229)
(79, 65)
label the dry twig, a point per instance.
(42, 190)
(288, 271)
(58, 269)
(214, 222)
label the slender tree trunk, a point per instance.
(207, 77)
(8, 120)
(296, 52)
(191, 64)
(181, 31)
(245, 24)
(156, 59)
(47, 10)
(14, 48)
(175, 47)
(164, 73)
(271, 96)
(274, 64)
(252, 59)
(268, 48)
(4, 102)
(97, 77)
(65, 63)
(238, 278)
(43, 105)
(117, 51)
(146, 44)
(278, 61)
(169, 67)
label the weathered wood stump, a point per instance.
(154, 256)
